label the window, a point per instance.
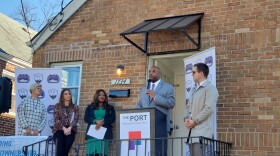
(11, 75)
(71, 78)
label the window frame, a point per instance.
(71, 64)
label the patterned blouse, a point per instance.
(31, 114)
(65, 116)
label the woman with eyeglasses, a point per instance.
(100, 114)
(66, 115)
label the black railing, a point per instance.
(153, 147)
(41, 148)
(141, 147)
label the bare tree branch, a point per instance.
(38, 16)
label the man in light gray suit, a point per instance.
(158, 94)
(199, 111)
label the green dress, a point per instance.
(95, 146)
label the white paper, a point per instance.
(98, 134)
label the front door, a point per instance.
(179, 129)
(172, 70)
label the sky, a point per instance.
(9, 7)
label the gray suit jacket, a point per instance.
(164, 99)
(202, 104)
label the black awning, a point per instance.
(167, 23)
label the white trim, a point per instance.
(8, 74)
(46, 32)
(15, 61)
(66, 64)
(173, 55)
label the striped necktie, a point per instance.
(153, 87)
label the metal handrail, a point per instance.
(49, 150)
(216, 147)
(158, 146)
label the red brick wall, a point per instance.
(246, 35)
(7, 125)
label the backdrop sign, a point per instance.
(12, 145)
(208, 57)
(50, 79)
(135, 126)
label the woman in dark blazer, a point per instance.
(99, 113)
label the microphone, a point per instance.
(149, 83)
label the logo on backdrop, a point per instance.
(189, 68)
(53, 93)
(38, 77)
(187, 101)
(51, 123)
(189, 84)
(209, 61)
(23, 78)
(23, 93)
(50, 109)
(53, 79)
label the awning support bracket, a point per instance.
(199, 35)
(135, 45)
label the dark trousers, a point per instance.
(63, 142)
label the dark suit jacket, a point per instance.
(109, 119)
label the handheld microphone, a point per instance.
(149, 83)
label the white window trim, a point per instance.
(71, 64)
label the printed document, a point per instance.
(98, 134)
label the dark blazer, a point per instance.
(109, 119)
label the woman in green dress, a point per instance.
(99, 113)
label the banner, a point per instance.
(208, 57)
(135, 126)
(12, 145)
(50, 79)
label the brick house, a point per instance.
(246, 36)
(14, 53)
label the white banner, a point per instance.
(12, 145)
(208, 57)
(50, 79)
(135, 126)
